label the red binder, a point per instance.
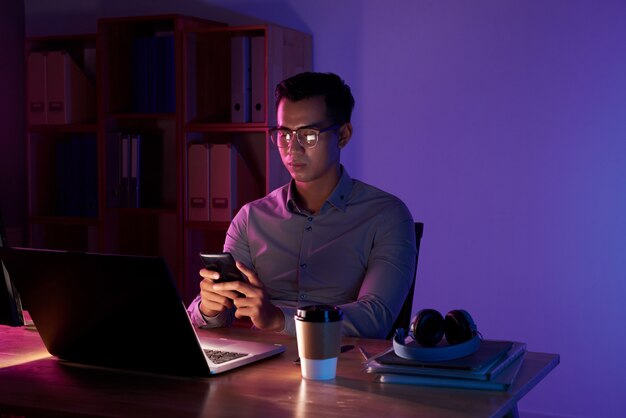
(232, 183)
(36, 88)
(70, 95)
(198, 182)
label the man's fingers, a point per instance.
(250, 275)
(209, 274)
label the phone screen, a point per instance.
(224, 264)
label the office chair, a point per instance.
(10, 305)
(404, 317)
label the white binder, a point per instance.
(257, 79)
(240, 79)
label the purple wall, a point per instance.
(502, 124)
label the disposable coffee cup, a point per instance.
(318, 331)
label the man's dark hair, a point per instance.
(336, 93)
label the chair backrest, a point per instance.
(10, 305)
(404, 317)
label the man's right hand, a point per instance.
(213, 302)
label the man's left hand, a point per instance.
(256, 304)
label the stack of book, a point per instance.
(135, 170)
(493, 367)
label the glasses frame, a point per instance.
(300, 139)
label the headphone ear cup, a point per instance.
(459, 326)
(427, 327)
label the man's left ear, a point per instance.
(345, 133)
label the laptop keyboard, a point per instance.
(218, 356)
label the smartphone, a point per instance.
(224, 264)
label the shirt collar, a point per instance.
(338, 198)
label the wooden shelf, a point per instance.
(187, 100)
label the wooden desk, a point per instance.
(34, 384)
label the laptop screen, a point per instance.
(107, 310)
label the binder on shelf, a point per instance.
(64, 181)
(113, 168)
(133, 171)
(165, 72)
(142, 82)
(198, 175)
(124, 170)
(240, 79)
(70, 95)
(36, 87)
(77, 175)
(90, 176)
(231, 184)
(222, 186)
(257, 78)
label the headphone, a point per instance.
(428, 328)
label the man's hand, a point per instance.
(213, 302)
(255, 304)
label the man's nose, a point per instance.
(294, 146)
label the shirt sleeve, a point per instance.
(223, 319)
(236, 241)
(390, 273)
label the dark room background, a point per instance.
(502, 125)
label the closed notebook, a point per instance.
(501, 382)
(493, 357)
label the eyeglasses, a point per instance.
(307, 137)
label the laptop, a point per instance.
(119, 311)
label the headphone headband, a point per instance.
(433, 353)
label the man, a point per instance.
(324, 238)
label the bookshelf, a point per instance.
(214, 120)
(166, 87)
(62, 160)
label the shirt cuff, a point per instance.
(200, 320)
(290, 324)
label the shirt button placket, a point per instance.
(303, 264)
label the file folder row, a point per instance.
(247, 79)
(134, 170)
(219, 182)
(59, 92)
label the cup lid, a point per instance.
(319, 313)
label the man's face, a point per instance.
(309, 164)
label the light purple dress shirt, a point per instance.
(357, 252)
